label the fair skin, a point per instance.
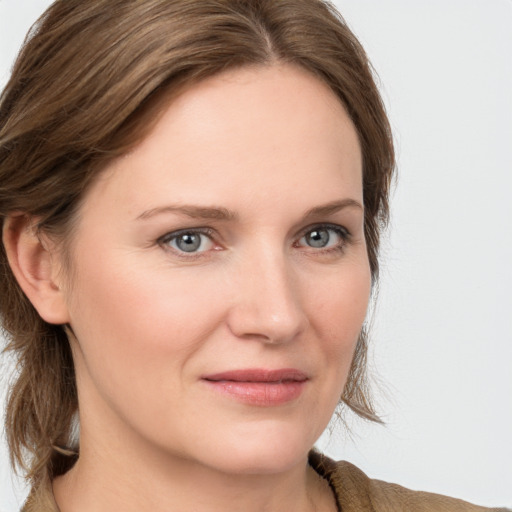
(230, 239)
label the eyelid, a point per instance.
(174, 234)
(342, 230)
(164, 242)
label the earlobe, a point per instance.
(36, 268)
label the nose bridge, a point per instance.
(268, 301)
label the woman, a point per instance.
(192, 195)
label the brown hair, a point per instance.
(88, 84)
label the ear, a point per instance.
(36, 266)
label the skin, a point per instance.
(268, 144)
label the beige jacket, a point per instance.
(354, 492)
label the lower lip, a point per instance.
(264, 394)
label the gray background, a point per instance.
(442, 338)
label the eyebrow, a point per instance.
(194, 212)
(221, 213)
(331, 208)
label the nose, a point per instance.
(267, 304)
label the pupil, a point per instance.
(188, 242)
(318, 238)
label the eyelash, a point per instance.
(169, 237)
(340, 231)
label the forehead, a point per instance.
(283, 102)
(258, 129)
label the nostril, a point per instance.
(254, 324)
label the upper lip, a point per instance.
(259, 375)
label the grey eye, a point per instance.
(189, 241)
(318, 238)
(324, 237)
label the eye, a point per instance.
(189, 241)
(324, 237)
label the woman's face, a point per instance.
(220, 276)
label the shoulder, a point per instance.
(354, 490)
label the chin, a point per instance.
(270, 451)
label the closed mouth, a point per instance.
(257, 375)
(259, 387)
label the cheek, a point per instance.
(339, 307)
(148, 320)
(139, 331)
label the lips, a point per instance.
(259, 375)
(259, 387)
